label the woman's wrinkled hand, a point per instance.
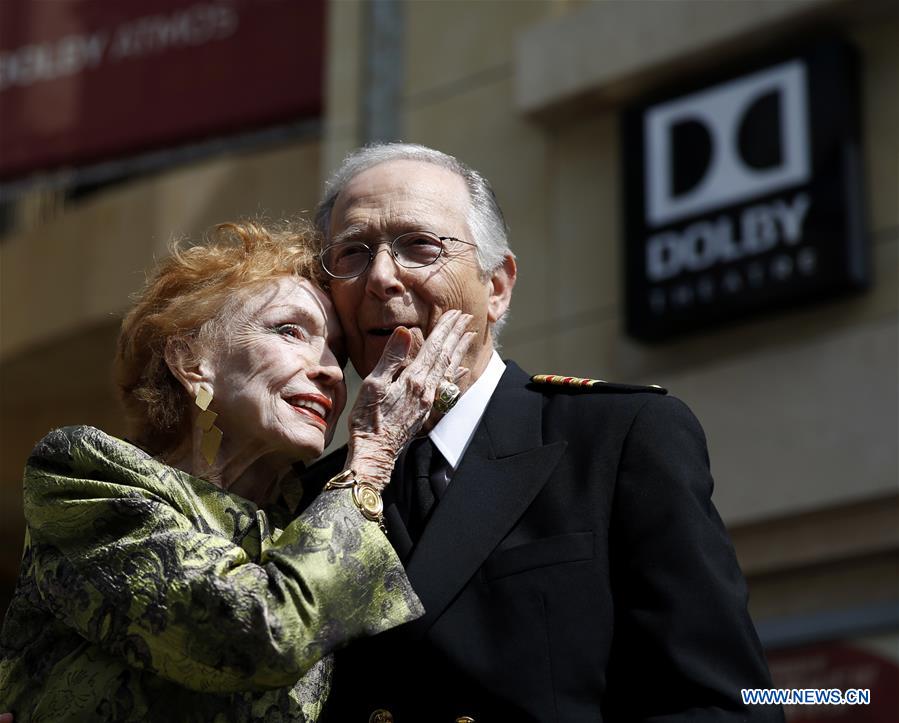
(396, 398)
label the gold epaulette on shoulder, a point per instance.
(565, 381)
(594, 384)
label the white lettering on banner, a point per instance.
(192, 26)
(70, 55)
(705, 243)
(73, 54)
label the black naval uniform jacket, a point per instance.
(574, 570)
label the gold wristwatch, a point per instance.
(365, 496)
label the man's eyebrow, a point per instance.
(362, 232)
(349, 233)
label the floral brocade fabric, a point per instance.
(146, 594)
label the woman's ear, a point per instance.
(191, 369)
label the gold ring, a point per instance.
(447, 396)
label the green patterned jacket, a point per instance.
(148, 594)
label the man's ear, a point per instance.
(501, 283)
(191, 369)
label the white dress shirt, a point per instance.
(452, 434)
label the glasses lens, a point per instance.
(417, 249)
(347, 259)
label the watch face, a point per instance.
(369, 500)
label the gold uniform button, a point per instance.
(380, 716)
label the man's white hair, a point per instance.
(485, 218)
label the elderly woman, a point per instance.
(182, 575)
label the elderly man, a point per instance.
(562, 538)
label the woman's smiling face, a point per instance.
(277, 371)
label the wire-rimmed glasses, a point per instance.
(413, 250)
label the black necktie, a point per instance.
(425, 477)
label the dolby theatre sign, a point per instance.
(743, 194)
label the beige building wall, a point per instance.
(800, 407)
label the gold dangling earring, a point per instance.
(212, 435)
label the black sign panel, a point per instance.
(744, 194)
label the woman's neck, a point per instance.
(243, 471)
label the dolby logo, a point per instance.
(727, 144)
(742, 192)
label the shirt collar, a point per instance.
(454, 431)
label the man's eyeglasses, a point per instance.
(414, 250)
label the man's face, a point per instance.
(377, 206)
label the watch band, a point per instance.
(345, 479)
(366, 496)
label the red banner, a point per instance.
(840, 666)
(83, 81)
